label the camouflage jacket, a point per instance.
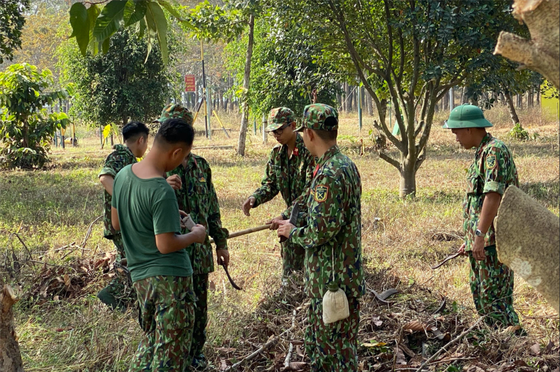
(493, 170)
(333, 224)
(288, 176)
(117, 160)
(198, 197)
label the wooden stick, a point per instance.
(291, 348)
(88, 233)
(268, 344)
(246, 231)
(448, 258)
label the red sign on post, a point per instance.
(190, 85)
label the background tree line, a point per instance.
(403, 57)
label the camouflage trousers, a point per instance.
(332, 347)
(166, 317)
(119, 294)
(492, 289)
(292, 258)
(200, 287)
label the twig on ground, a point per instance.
(291, 348)
(268, 344)
(444, 347)
(88, 233)
(22, 243)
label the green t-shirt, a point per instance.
(146, 208)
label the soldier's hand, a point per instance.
(285, 229)
(174, 181)
(275, 222)
(199, 233)
(461, 249)
(248, 205)
(478, 249)
(222, 255)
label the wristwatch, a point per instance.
(479, 233)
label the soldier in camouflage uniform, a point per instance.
(119, 293)
(196, 195)
(288, 172)
(332, 227)
(492, 171)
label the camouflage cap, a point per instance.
(315, 117)
(173, 111)
(279, 117)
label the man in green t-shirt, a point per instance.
(145, 210)
(119, 293)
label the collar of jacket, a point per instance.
(191, 162)
(487, 138)
(327, 155)
(123, 149)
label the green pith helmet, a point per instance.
(466, 116)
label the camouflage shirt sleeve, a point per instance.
(111, 166)
(324, 219)
(269, 184)
(216, 231)
(495, 170)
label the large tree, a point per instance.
(409, 53)
(12, 19)
(118, 86)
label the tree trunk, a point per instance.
(246, 81)
(527, 241)
(408, 181)
(511, 108)
(542, 52)
(10, 357)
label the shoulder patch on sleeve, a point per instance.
(320, 193)
(491, 161)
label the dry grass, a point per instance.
(53, 208)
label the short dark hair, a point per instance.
(326, 135)
(174, 131)
(134, 129)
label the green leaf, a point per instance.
(93, 13)
(158, 18)
(138, 14)
(105, 46)
(109, 19)
(141, 27)
(171, 9)
(80, 25)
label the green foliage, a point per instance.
(285, 70)
(26, 126)
(495, 73)
(408, 52)
(548, 90)
(518, 133)
(12, 20)
(118, 86)
(212, 22)
(93, 27)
